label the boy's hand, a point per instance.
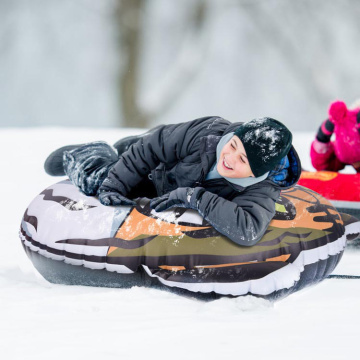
(182, 197)
(114, 198)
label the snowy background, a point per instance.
(42, 321)
(68, 62)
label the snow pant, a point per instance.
(88, 165)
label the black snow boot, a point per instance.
(54, 164)
(123, 145)
(88, 165)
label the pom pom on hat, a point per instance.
(337, 111)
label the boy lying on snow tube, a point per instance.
(243, 237)
(230, 173)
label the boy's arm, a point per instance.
(244, 219)
(168, 144)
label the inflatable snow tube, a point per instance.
(73, 239)
(340, 189)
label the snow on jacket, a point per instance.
(181, 155)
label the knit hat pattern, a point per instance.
(266, 141)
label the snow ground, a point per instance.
(45, 321)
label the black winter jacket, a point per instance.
(181, 155)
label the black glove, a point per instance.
(114, 198)
(182, 197)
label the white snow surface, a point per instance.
(40, 320)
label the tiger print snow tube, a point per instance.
(73, 239)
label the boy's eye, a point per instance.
(242, 159)
(232, 145)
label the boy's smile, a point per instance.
(233, 162)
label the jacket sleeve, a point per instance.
(323, 157)
(167, 144)
(244, 219)
(322, 150)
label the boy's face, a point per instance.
(233, 162)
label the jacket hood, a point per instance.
(294, 170)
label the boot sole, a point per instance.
(54, 162)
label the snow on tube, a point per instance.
(340, 189)
(73, 239)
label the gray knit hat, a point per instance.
(266, 142)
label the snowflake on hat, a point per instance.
(345, 149)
